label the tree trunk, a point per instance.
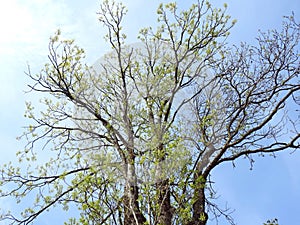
(164, 201)
(200, 217)
(132, 212)
(165, 213)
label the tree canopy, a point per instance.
(134, 138)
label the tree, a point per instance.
(272, 222)
(135, 138)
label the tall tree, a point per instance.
(134, 139)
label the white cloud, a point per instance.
(27, 24)
(26, 27)
(14, 21)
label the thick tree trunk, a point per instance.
(133, 214)
(200, 217)
(164, 201)
(165, 213)
(132, 211)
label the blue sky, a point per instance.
(271, 189)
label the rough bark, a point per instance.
(164, 199)
(200, 217)
(132, 212)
